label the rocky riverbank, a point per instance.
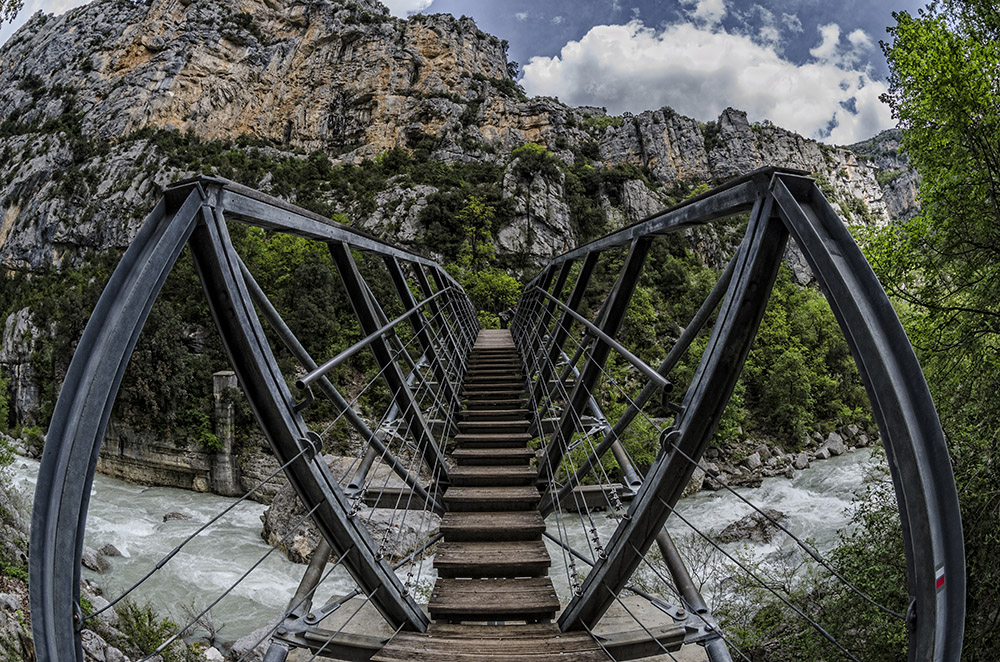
(747, 463)
(15, 614)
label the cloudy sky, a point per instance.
(813, 66)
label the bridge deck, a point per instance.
(492, 564)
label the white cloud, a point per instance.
(709, 12)
(521, 16)
(829, 43)
(832, 49)
(792, 22)
(768, 32)
(860, 40)
(700, 71)
(404, 8)
(558, 20)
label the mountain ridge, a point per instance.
(343, 79)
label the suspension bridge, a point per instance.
(507, 439)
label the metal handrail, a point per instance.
(655, 377)
(305, 382)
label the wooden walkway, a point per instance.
(493, 600)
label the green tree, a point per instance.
(9, 10)
(942, 266)
(477, 219)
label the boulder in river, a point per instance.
(835, 444)
(93, 560)
(175, 516)
(398, 533)
(755, 527)
(109, 551)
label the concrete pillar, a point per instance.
(224, 475)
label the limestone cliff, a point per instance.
(344, 78)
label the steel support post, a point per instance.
(376, 447)
(532, 342)
(466, 336)
(558, 338)
(402, 395)
(396, 345)
(449, 349)
(618, 301)
(419, 324)
(717, 649)
(518, 331)
(675, 354)
(704, 402)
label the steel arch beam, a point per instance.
(907, 420)
(80, 418)
(250, 354)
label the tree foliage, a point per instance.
(942, 267)
(9, 10)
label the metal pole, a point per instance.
(393, 376)
(329, 390)
(620, 296)
(611, 438)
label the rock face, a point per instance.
(147, 460)
(15, 362)
(758, 527)
(345, 79)
(899, 181)
(15, 634)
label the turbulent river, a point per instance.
(817, 501)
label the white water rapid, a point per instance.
(130, 517)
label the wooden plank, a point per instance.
(482, 456)
(499, 631)
(514, 497)
(495, 369)
(483, 375)
(493, 440)
(462, 476)
(493, 427)
(501, 403)
(512, 414)
(494, 527)
(493, 366)
(482, 383)
(579, 647)
(527, 598)
(492, 559)
(493, 394)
